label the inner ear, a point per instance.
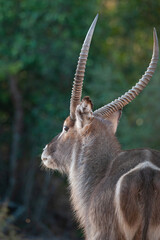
(114, 119)
(84, 114)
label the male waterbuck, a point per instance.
(115, 193)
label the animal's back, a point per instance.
(137, 197)
(126, 204)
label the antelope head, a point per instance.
(84, 123)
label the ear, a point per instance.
(84, 114)
(114, 119)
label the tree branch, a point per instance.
(17, 132)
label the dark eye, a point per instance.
(66, 128)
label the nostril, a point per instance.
(44, 159)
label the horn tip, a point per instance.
(154, 32)
(156, 47)
(95, 21)
(97, 16)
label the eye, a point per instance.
(66, 128)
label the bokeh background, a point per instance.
(40, 41)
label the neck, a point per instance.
(90, 162)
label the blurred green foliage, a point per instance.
(40, 44)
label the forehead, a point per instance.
(69, 122)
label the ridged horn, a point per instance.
(122, 101)
(80, 71)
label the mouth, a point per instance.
(47, 161)
(44, 158)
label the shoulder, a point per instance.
(127, 160)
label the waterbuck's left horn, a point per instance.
(122, 101)
(79, 75)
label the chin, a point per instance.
(48, 162)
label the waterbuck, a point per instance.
(115, 193)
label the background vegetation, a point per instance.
(39, 46)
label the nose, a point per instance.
(45, 147)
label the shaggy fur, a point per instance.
(115, 193)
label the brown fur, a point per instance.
(115, 193)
